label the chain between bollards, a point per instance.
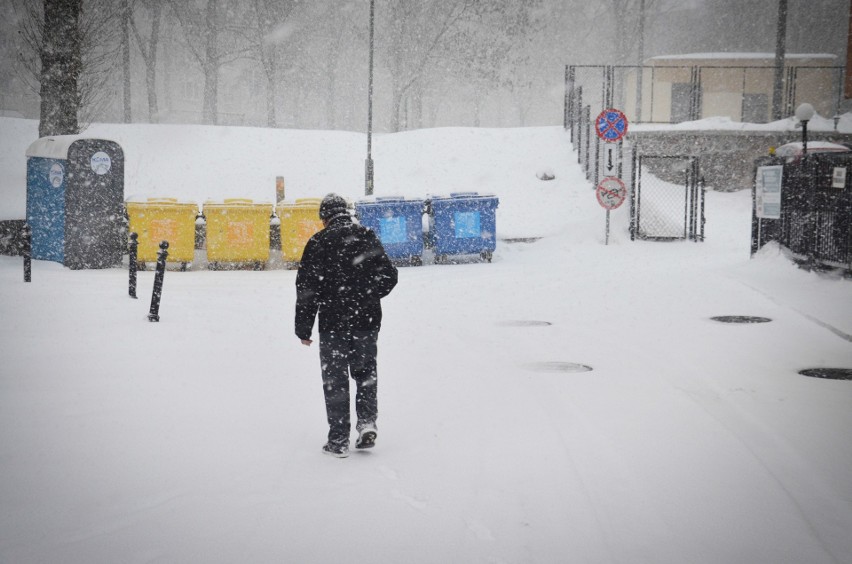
(154, 314)
(28, 253)
(132, 251)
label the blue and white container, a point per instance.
(75, 201)
(462, 224)
(398, 222)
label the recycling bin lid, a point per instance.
(158, 200)
(56, 146)
(300, 202)
(378, 200)
(236, 202)
(459, 195)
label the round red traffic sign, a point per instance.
(611, 125)
(611, 192)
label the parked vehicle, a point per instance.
(792, 152)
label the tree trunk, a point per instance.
(331, 90)
(125, 57)
(268, 59)
(477, 107)
(271, 120)
(151, 64)
(416, 121)
(210, 110)
(61, 63)
(397, 102)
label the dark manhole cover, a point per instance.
(740, 319)
(828, 373)
(524, 323)
(569, 367)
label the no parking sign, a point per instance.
(611, 193)
(611, 125)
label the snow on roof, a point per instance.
(750, 56)
(55, 147)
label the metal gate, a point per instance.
(667, 198)
(815, 218)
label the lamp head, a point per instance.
(805, 112)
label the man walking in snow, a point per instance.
(343, 275)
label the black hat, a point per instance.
(332, 205)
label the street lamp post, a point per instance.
(804, 113)
(368, 188)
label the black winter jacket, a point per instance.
(343, 275)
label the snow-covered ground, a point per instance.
(197, 439)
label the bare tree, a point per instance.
(414, 33)
(320, 44)
(489, 47)
(212, 42)
(267, 29)
(69, 52)
(148, 47)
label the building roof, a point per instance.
(739, 56)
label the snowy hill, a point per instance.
(197, 163)
(197, 439)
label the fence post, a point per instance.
(578, 143)
(815, 254)
(702, 191)
(28, 252)
(154, 313)
(597, 160)
(569, 94)
(133, 253)
(695, 98)
(633, 180)
(587, 118)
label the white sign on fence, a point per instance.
(838, 177)
(768, 192)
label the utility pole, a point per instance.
(368, 188)
(641, 53)
(847, 90)
(780, 49)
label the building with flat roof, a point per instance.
(677, 88)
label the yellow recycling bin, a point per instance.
(299, 222)
(164, 219)
(237, 232)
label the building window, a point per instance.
(681, 102)
(755, 108)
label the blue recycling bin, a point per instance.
(75, 201)
(462, 224)
(399, 224)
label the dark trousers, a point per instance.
(343, 354)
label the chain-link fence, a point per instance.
(673, 94)
(667, 201)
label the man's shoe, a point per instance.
(337, 451)
(366, 437)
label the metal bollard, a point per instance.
(132, 251)
(28, 253)
(154, 313)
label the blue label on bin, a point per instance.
(467, 224)
(392, 230)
